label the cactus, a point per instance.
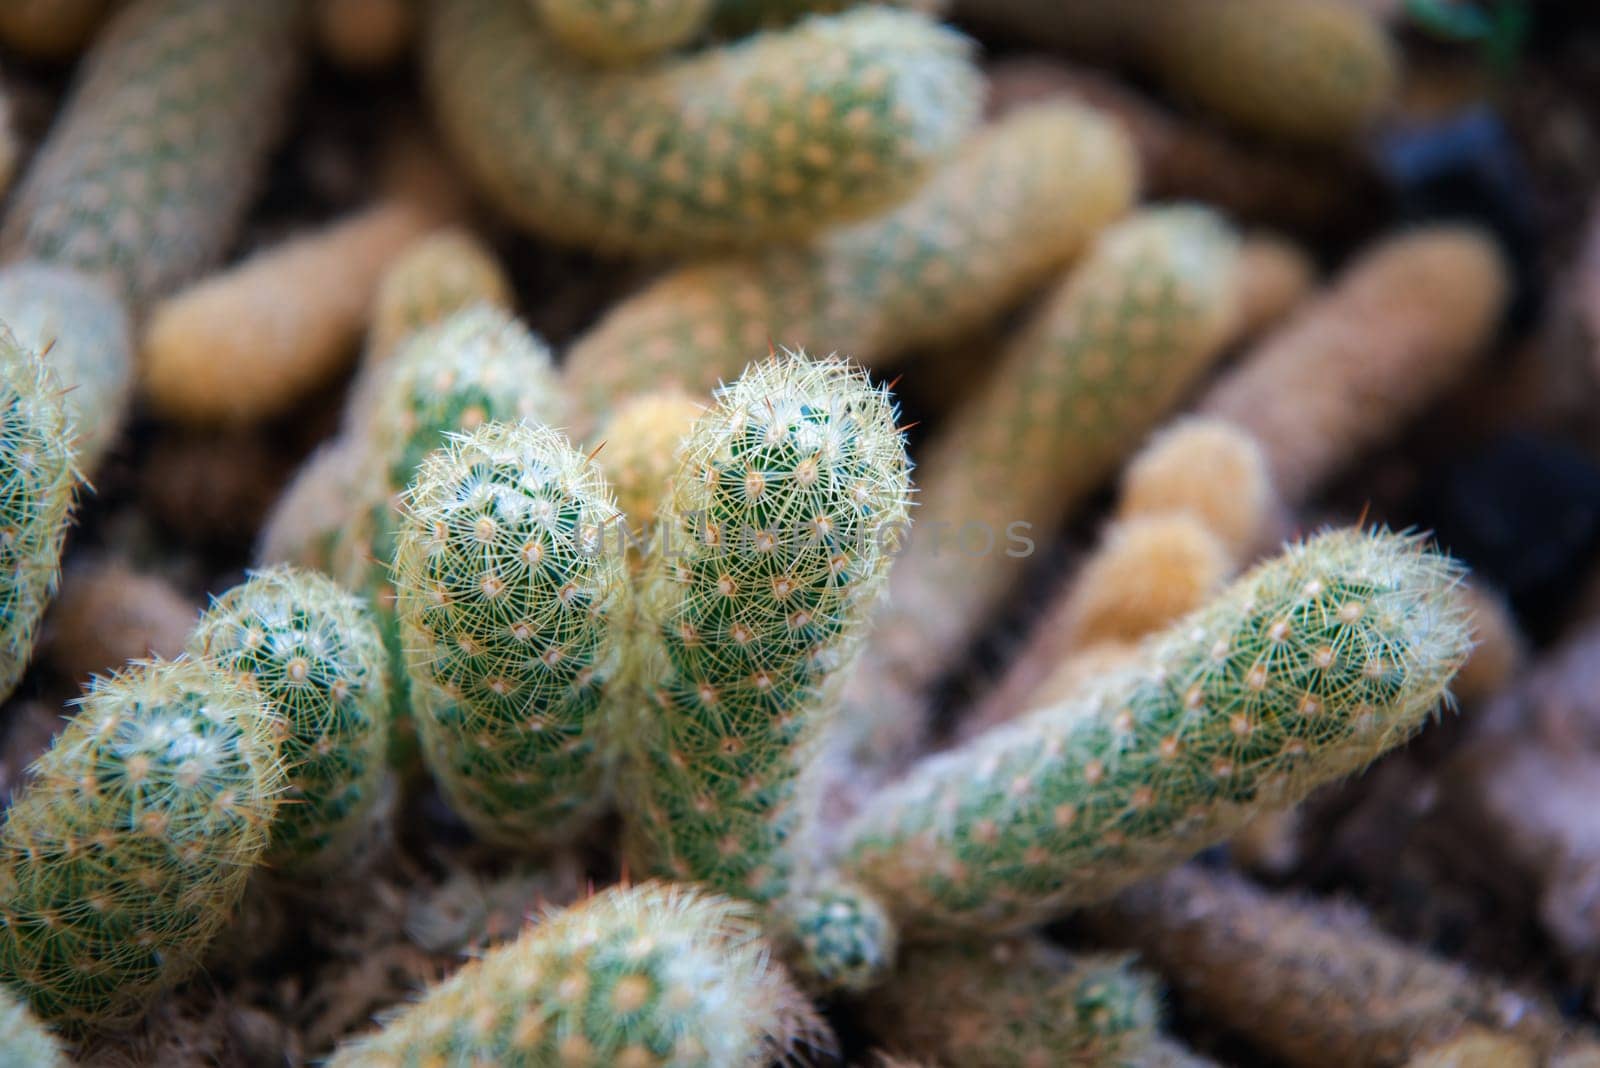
(204, 81)
(1275, 277)
(745, 16)
(510, 582)
(82, 331)
(479, 365)
(1019, 201)
(131, 846)
(108, 613)
(623, 31)
(769, 138)
(1303, 671)
(432, 279)
(305, 525)
(24, 1041)
(640, 451)
(1315, 71)
(1316, 986)
(781, 521)
(840, 937)
(246, 344)
(38, 484)
(50, 29)
(1401, 324)
(1013, 1003)
(1107, 356)
(647, 975)
(312, 652)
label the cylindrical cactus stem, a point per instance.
(838, 936)
(308, 521)
(1401, 324)
(789, 498)
(50, 29)
(1275, 276)
(364, 35)
(1019, 201)
(203, 81)
(24, 1041)
(1013, 1003)
(511, 595)
(773, 137)
(639, 456)
(433, 278)
(1111, 352)
(312, 652)
(1304, 670)
(648, 975)
(246, 344)
(618, 32)
(1318, 986)
(1311, 71)
(81, 329)
(38, 486)
(132, 844)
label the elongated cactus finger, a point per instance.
(772, 137)
(623, 31)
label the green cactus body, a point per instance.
(132, 844)
(1013, 1003)
(157, 153)
(776, 536)
(435, 277)
(774, 137)
(479, 365)
(38, 483)
(1303, 671)
(24, 1041)
(623, 31)
(745, 16)
(1107, 357)
(312, 652)
(82, 331)
(841, 936)
(638, 977)
(1021, 199)
(511, 584)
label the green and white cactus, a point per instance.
(312, 652)
(24, 1041)
(650, 976)
(769, 138)
(131, 845)
(618, 32)
(511, 584)
(1304, 670)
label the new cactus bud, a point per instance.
(1111, 352)
(247, 343)
(773, 137)
(1013, 1003)
(652, 975)
(24, 1041)
(131, 845)
(204, 81)
(435, 277)
(81, 329)
(1020, 200)
(1315, 71)
(789, 497)
(841, 937)
(510, 581)
(1301, 672)
(38, 484)
(617, 32)
(1315, 985)
(640, 454)
(50, 29)
(312, 652)
(1400, 325)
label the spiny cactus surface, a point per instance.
(1302, 671)
(510, 581)
(38, 482)
(131, 845)
(313, 653)
(842, 935)
(1018, 201)
(623, 31)
(203, 81)
(771, 137)
(790, 494)
(640, 977)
